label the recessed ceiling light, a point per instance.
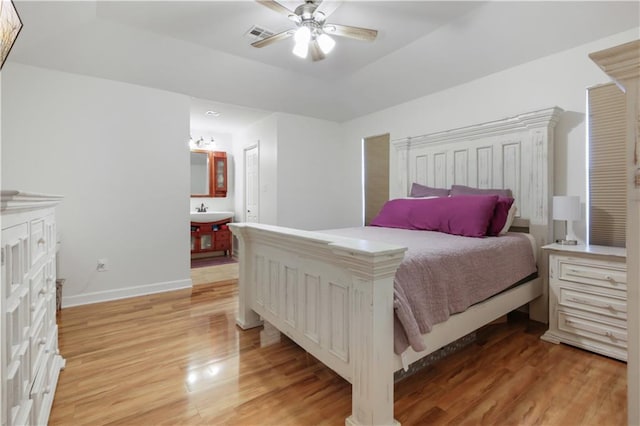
(213, 113)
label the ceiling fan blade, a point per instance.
(277, 7)
(272, 39)
(358, 33)
(316, 52)
(325, 9)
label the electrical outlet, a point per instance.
(103, 265)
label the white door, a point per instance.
(252, 184)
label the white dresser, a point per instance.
(29, 354)
(588, 298)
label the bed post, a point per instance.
(371, 332)
(246, 318)
(539, 190)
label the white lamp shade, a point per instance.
(566, 207)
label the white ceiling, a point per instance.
(200, 49)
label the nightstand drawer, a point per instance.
(591, 302)
(592, 329)
(601, 275)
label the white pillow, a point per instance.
(510, 218)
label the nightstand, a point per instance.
(588, 298)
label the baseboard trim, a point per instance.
(124, 293)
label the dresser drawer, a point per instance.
(38, 291)
(606, 275)
(18, 383)
(41, 390)
(600, 331)
(38, 240)
(17, 325)
(15, 252)
(597, 303)
(44, 384)
(38, 342)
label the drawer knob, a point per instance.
(41, 241)
(609, 334)
(33, 307)
(42, 341)
(610, 279)
(47, 389)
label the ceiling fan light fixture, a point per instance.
(326, 43)
(302, 35)
(320, 16)
(313, 35)
(301, 49)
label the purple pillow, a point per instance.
(500, 215)
(418, 190)
(464, 215)
(467, 190)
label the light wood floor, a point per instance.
(214, 274)
(178, 358)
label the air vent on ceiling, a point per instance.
(256, 33)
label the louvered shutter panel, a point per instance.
(607, 166)
(376, 175)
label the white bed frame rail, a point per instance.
(334, 296)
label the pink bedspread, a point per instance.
(444, 274)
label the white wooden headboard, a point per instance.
(515, 153)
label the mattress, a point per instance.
(443, 274)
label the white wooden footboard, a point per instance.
(334, 297)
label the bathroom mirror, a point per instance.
(201, 164)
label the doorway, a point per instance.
(252, 183)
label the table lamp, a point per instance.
(566, 208)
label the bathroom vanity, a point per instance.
(209, 237)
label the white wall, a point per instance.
(311, 174)
(302, 172)
(557, 80)
(118, 154)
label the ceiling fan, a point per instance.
(313, 33)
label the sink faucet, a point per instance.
(201, 209)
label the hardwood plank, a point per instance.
(178, 358)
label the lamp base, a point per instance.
(567, 242)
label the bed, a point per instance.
(334, 294)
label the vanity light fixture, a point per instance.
(200, 142)
(212, 113)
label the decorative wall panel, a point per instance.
(291, 296)
(339, 318)
(273, 286)
(312, 307)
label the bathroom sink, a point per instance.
(210, 216)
